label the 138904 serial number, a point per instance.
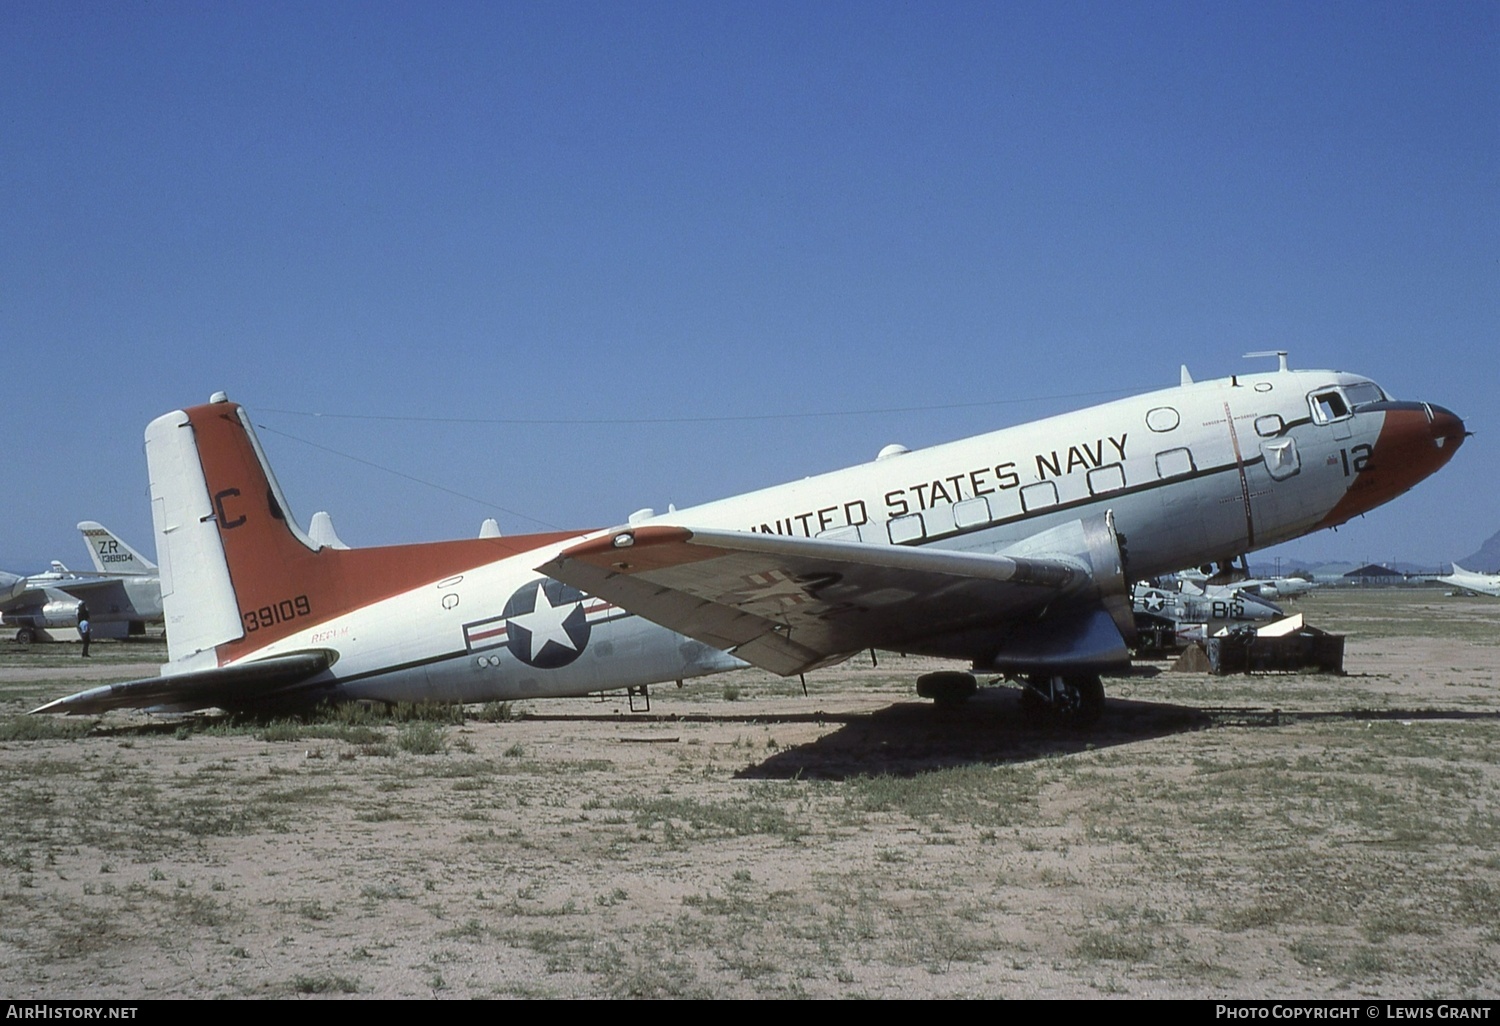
(281, 612)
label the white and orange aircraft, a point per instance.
(1013, 550)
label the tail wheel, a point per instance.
(1072, 701)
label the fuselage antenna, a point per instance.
(1280, 355)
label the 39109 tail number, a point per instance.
(282, 612)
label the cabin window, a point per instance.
(1174, 463)
(1364, 392)
(971, 513)
(1270, 425)
(1163, 418)
(906, 529)
(1329, 406)
(1106, 479)
(1038, 496)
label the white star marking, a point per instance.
(545, 622)
(773, 586)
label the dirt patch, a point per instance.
(1264, 836)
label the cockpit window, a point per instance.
(1363, 392)
(1329, 405)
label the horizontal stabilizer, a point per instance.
(239, 687)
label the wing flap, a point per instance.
(240, 686)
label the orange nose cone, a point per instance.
(1416, 440)
(1447, 431)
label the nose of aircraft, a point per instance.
(1446, 429)
(1415, 441)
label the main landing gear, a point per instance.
(1074, 701)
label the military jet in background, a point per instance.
(1276, 588)
(1191, 604)
(1012, 550)
(1270, 588)
(121, 595)
(1172, 612)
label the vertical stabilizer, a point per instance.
(196, 593)
(237, 573)
(110, 554)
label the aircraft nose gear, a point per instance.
(1072, 701)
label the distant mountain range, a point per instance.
(1487, 559)
(1324, 571)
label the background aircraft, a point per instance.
(1012, 550)
(1277, 588)
(122, 593)
(1191, 604)
(1468, 580)
(1269, 588)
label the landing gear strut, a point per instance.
(1072, 701)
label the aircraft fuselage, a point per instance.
(1191, 474)
(1150, 484)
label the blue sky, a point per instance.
(555, 262)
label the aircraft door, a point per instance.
(1273, 497)
(1182, 513)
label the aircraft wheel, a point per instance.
(1068, 701)
(947, 687)
(25, 636)
(1090, 700)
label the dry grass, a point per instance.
(853, 843)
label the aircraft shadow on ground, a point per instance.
(914, 737)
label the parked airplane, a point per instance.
(110, 555)
(122, 594)
(1269, 588)
(1468, 580)
(1011, 549)
(1191, 604)
(1275, 588)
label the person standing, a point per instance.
(83, 626)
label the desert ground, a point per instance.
(1263, 836)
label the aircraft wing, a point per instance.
(791, 604)
(239, 686)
